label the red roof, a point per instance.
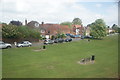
(77, 26)
(55, 28)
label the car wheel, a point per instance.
(29, 45)
(8, 46)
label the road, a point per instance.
(34, 44)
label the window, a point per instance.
(36, 25)
(42, 31)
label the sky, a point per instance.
(57, 11)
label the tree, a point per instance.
(77, 21)
(10, 31)
(60, 36)
(69, 24)
(98, 29)
(66, 23)
(27, 32)
(115, 27)
(52, 37)
(118, 30)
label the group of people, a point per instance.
(88, 60)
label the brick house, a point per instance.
(87, 31)
(53, 29)
(110, 30)
(78, 29)
(32, 24)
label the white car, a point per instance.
(48, 42)
(24, 44)
(4, 45)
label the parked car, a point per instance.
(48, 42)
(68, 34)
(77, 36)
(82, 37)
(90, 37)
(24, 44)
(4, 45)
(59, 40)
(68, 40)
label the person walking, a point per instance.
(15, 43)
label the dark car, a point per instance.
(82, 37)
(77, 36)
(59, 40)
(72, 36)
(88, 37)
(68, 40)
(68, 34)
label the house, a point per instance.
(110, 30)
(17, 23)
(32, 24)
(87, 31)
(53, 29)
(78, 29)
(49, 29)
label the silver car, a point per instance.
(24, 44)
(4, 45)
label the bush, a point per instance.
(12, 31)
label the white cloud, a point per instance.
(54, 11)
(98, 5)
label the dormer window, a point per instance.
(42, 31)
(36, 24)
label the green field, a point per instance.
(60, 60)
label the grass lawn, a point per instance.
(60, 60)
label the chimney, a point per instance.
(42, 23)
(26, 22)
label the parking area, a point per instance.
(36, 44)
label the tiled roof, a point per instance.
(32, 24)
(55, 28)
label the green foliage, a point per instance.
(98, 29)
(67, 23)
(24, 31)
(12, 31)
(60, 36)
(61, 60)
(63, 36)
(77, 21)
(53, 37)
(118, 30)
(34, 34)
